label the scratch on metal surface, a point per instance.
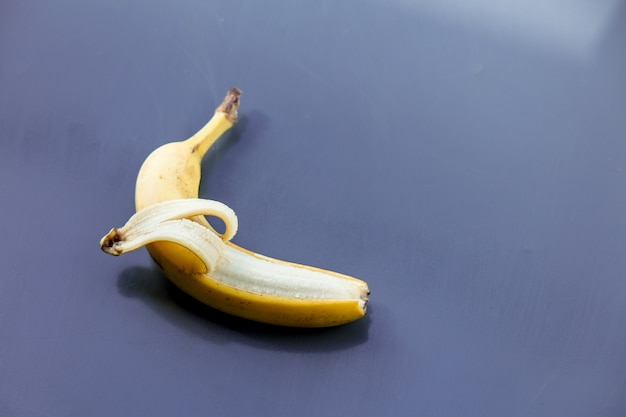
(311, 73)
(203, 67)
(542, 389)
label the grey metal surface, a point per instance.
(468, 162)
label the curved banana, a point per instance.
(170, 222)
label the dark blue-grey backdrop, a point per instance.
(468, 161)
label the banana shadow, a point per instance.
(151, 287)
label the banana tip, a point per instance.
(108, 242)
(365, 292)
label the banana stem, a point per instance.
(224, 118)
(230, 104)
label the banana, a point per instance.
(170, 222)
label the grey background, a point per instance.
(467, 160)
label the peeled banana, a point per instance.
(170, 221)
